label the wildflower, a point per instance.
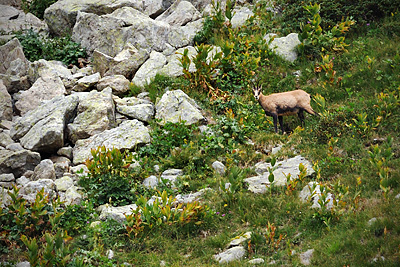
(367, 24)
(308, 22)
(217, 213)
(223, 215)
(225, 205)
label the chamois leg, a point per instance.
(301, 117)
(275, 118)
(280, 118)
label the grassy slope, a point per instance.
(340, 142)
(348, 241)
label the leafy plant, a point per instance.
(36, 7)
(164, 212)
(314, 41)
(63, 49)
(110, 178)
(30, 219)
(164, 138)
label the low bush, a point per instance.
(62, 49)
(110, 178)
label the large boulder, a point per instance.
(128, 135)
(173, 68)
(14, 66)
(61, 16)
(135, 108)
(125, 63)
(149, 69)
(285, 47)
(18, 162)
(96, 113)
(176, 106)
(118, 83)
(124, 25)
(44, 170)
(6, 108)
(48, 86)
(12, 20)
(240, 16)
(43, 128)
(259, 183)
(180, 13)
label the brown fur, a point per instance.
(284, 104)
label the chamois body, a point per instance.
(284, 104)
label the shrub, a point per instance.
(36, 7)
(30, 219)
(332, 11)
(110, 178)
(59, 48)
(164, 213)
(164, 138)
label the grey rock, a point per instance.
(256, 261)
(42, 129)
(116, 213)
(14, 147)
(173, 67)
(239, 239)
(22, 181)
(14, 66)
(7, 177)
(127, 135)
(372, 221)
(305, 195)
(87, 83)
(61, 16)
(72, 196)
(150, 182)
(66, 152)
(171, 175)
(23, 264)
(180, 13)
(191, 197)
(96, 113)
(13, 19)
(48, 86)
(135, 108)
(176, 106)
(124, 25)
(6, 109)
(305, 258)
(61, 165)
(64, 183)
(42, 67)
(125, 63)
(240, 16)
(259, 184)
(118, 83)
(5, 139)
(182, 36)
(149, 69)
(45, 170)
(219, 167)
(18, 162)
(284, 46)
(232, 254)
(30, 189)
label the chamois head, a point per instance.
(257, 90)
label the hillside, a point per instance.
(349, 154)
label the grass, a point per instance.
(342, 142)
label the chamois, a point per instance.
(284, 104)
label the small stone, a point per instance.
(219, 167)
(305, 258)
(256, 261)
